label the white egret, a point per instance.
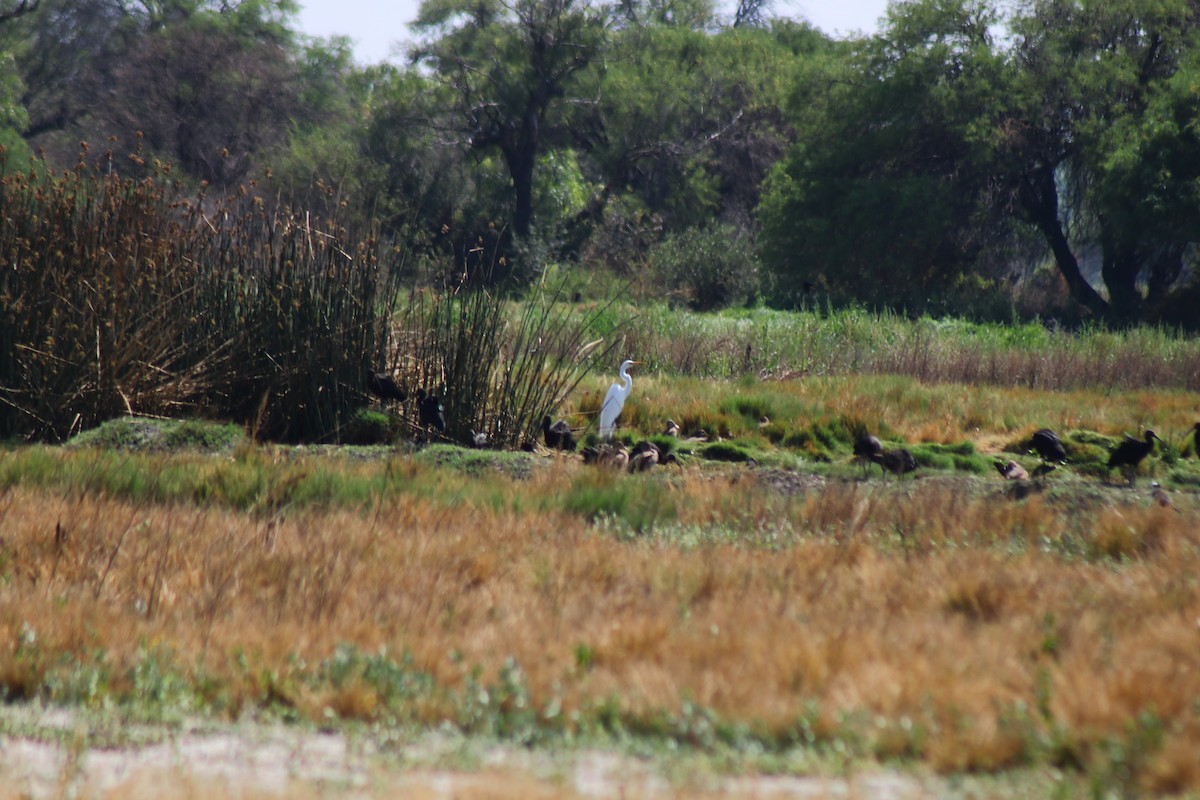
(614, 401)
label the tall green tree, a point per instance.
(915, 150)
(688, 124)
(518, 76)
(13, 116)
(1101, 148)
(882, 196)
(209, 84)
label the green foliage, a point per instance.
(707, 268)
(693, 121)
(725, 451)
(924, 159)
(517, 464)
(146, 435)
(482, 53)
(878, 201)
(14, 119)
(371, 427)
(764, 343)
(629, 499)
(1088, 451)
(959, 457)
(820, 439)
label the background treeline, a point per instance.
(976, 157)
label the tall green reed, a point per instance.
(777, 344)
(499, 366)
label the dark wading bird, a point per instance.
(898, 461)
(558, 436)
(430, 411)
(1129, 453)
(1012, 471)
(384, 387)
(1196, 440)
(1048, 446)
(867, 449)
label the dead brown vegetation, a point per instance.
(926, 622)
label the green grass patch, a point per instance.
(956, 457)
(634, 500)
(518, 464)
(726, 451)
(368, 426)
(141, 433)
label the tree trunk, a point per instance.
(520, 162)
(1165, 265)
(1120, 269)
(1039, 198)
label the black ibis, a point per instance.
(383, 386)
(431, 411)
(559, 435)
(1129, 453)
(1048, 446)
(868, 448)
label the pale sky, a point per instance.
(376, 26)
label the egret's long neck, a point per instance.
(624, 375)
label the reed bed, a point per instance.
(120, 296)
(783, 345)
(499, 367)
(963, 630)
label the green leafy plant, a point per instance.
(709, 267)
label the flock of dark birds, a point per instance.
(1048, 446)
(868, 449)
(431, 411)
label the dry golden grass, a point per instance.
(960, 628)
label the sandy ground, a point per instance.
(48, 759)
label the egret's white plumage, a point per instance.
(614, 401)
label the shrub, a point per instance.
(708, 267)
